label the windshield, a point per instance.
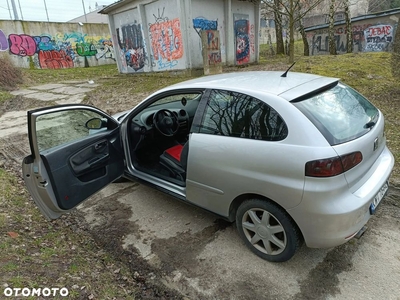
(340, 113)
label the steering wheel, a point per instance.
(166, 122)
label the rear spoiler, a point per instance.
(312, 88)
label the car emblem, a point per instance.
(376, 143)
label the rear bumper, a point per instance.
(331, 216)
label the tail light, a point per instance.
(333, 166)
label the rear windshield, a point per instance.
(340, 113)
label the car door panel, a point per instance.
(90, 158)
(70, 186)
(62, 175)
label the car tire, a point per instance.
(267, 230)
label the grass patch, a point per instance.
(43, 76)
(57, 254)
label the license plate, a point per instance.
(378, 197)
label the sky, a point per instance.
(58, 10)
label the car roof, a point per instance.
(291, 87)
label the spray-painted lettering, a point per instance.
(3, 41)
(378, 38)
(201, 23)
(22, 44)
(59, 50)
(86, 49)
(242, 41)
(214, 58)
(212, 41)
(166, 40)
(131, 44)
(52, 59)
(105, 50)
(366, 37)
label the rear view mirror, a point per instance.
(95, 123)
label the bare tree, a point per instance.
(349, 31)
(332, 42)
(272, 10)
(306, 46)
(294, 11)
(280, 48)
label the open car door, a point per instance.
(75, 152)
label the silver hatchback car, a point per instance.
(290, 157)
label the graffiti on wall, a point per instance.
(22, 44)
(242, 40)
(61, 50)
(358, 35)
(321, 44)
(252, 39)
(212, 59)
(3, 41)
(213, 47)
(53, 59)
(378, 38)
(166, 41)
(366, 37)
(201, 23)
(105, 50)
(131, 44)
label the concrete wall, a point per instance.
(373, 34)
(165, 35)
(167, 49)
(45, 45)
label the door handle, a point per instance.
(100, 145)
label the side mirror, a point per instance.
(95, 123)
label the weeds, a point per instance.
(43, 254)
(10, 76)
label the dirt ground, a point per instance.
(175, 251)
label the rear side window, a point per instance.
(243, 116)
(340, 113)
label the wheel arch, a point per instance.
(241, 198)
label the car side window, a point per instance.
(179, 99)
(61, 127)
(239, 115)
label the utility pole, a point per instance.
(20, 10)
(9, 10)
(47, 13)
(84, 10)
(14, 10)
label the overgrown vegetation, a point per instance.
(10, 76)
(42, 76)
(59, 254)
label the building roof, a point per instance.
(359, 18)
(92, 17)
(113, 6)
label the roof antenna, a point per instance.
(285, 74)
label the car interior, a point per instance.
(159, 135)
